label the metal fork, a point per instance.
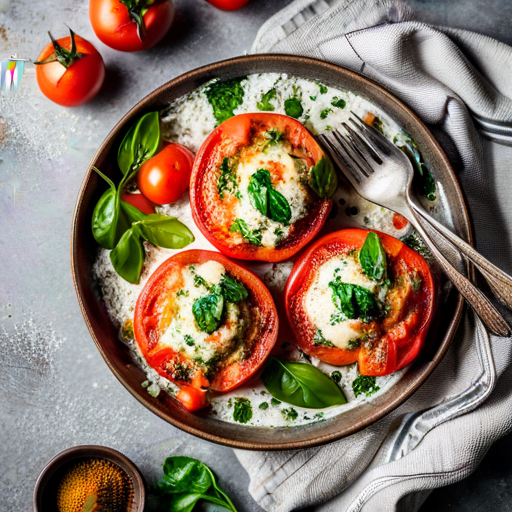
(382, 173)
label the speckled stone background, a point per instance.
(56, 389)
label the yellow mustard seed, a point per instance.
(94, 485)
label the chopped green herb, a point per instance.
(338, 102)
(265, 104)
(127, 330)
(312, 98)
(199, 281)
(319, 415)
(180, 372)
(355, 343)
(145, 384)
(225, 97)
(253, 237)
(189, 340)
(416, 244)
(275, 401)
(227, 180)
(233, 290)
(416, 283)
(182, 293)
(336, 376)
(325, 112)
(318, 339)
(365, 385)
(263, 405)
(293, 107)
(323, 88)
(243, 410)
(274, 137)
(289, 414)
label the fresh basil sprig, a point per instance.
(301, 384)
(353, 301)
(266, 199)
(140, 143)
(372, 257)
(323, 179)
(185, 482)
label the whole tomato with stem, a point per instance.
(131, 25)
(70, 71)
(228, 5)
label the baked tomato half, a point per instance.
(204, 322)
(131, 25)
(260, 187)
(358, 295)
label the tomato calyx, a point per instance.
(136, 10)
(62, 55)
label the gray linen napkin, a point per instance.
(460, 84)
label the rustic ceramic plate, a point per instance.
(450, 209)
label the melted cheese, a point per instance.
(183, 335)
(287, 183)
(319, 305)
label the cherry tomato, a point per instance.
(164, 178)
(154, 310)
(139, 201)
(399, 222)
(114, 26)
(70, 71)
(228, 5)
(214, 214)
(397, 339)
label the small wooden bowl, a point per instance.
(46, 486)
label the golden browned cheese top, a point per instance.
(94, 485)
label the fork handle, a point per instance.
(490, 316)
(499, 282)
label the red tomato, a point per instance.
(228, 5)
(214, 215)
(399, 222)
(80, 81)
(397, 338)
(154, 312)
(139, 201)
(164, 178)
(113, 25)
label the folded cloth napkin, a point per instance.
(458, 82)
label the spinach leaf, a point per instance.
(233, 290)
(365, 384)
(265, 104)
(242, 411)
(266, 199)
(140, 143)
(164, 231)
(338, 102)
(240, 226)
(354, 301)
(208, 310)
(372, 257)
(293, 107)
(128, 256)
(105, 216)
(225, 97)
(301, 384)
(323, 179)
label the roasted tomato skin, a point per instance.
(111, 22)
(232, 134)
(402, 338)
(228, 5)
(151, 311)
(77, 84)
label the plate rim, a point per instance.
(320, 439)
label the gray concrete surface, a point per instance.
(57, 391)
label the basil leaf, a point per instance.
(293, 107)
(164, 231)
(266, 199)
(301, 384)
(323, 179)
(208, 310)
(128, 256)
(353, 301)
(132, 214)
(233, 290)
(140, 143)
(372, 257)
(240, 226)
(184, 474)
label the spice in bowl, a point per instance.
(94, 484)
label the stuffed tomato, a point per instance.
(358, 295)
(260, 187)
(204, 322)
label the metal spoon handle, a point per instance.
(490, 316)
(499, 282)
